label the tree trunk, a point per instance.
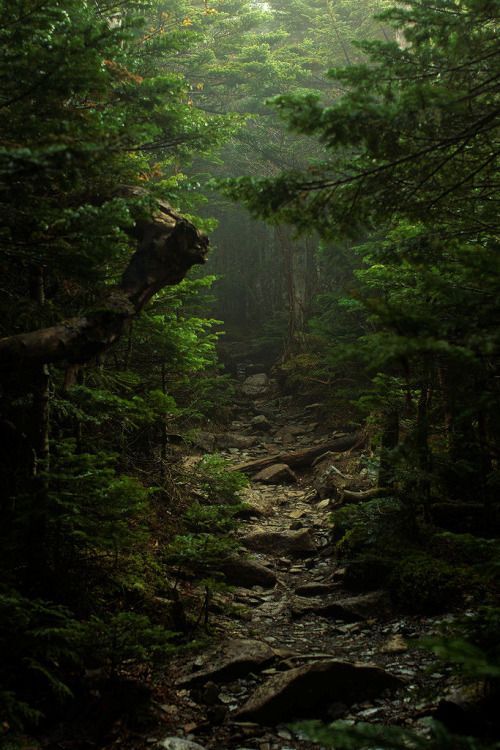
(423, 451)
(305, 456)
(389, 441)
(168, 246)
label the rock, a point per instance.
(350, 609)
(275, 474)
(297, 513)
(309, 691)
(373, 604)
(261, 423)
(327, 482)
(323, 504)
(176, 743)
(255, 385)
(395, 645)
(236, 659)
(247, 572)
(234, 440)
(464, 711)
(300, 543)
(205, 440)
(316, 588)
(314, 407)
(209, 696)
(259, 503)
(292, 433)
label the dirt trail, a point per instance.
(304, 619)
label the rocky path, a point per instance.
(294, 643)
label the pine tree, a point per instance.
(408, 175)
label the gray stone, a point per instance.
(205, 440)
(314, 407)
(234, 440)
(261, 423)
(327, 482)
(247, 572)
(316, 588)
(349, 609)
(260, 503)
(275, 474)
(255, 385)
(176, 743)
(373, 604)
(236, 659)
(395, 645)
(300, 543)
(309, 691)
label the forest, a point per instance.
(249, 374)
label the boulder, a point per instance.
(234, 440)
(261, 423)
(247, 572)
(395, 645)
(327, 482)
(308, 691)
(299, 543)
(176, 743)
(236, 659)
(316, 588)
(349, 609)
(468, 710)
(276, 474)
(205, 441)
(257, 503)
(255, 385)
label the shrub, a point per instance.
(423, 583)
(39, 646)
(125, 639)
(217, 483)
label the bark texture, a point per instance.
(168, 246)
(305, 456)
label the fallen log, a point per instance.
(353, 496)
(304, 456)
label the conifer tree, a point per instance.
(411, 154)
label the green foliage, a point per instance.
(472, 645)
(39, 642)
(381, 547)
(356, 527)
(346, 736)
(421, 582)
(217, 482)
(91, 104)
(211, 518)
(126, 640)
(199, 554)
(404, 197)
(93, 511)
(206, 537)
(209, 523)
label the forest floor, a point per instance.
(228, 695)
